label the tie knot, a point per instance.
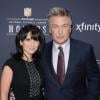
(60, 48)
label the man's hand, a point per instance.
(12, 97)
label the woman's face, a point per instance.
(29, 45)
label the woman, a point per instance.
(22, 72)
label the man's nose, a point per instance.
(60, 31)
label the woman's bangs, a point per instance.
(35, 37)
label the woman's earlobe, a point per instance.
(21, 43)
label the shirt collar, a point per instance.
(64, 45)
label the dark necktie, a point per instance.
(61, 66)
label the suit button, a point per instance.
(61, 88)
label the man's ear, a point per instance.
(49, 30)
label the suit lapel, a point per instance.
(50, 65)
(70, 62)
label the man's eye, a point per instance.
(55, 26)
(66, 25)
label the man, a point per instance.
(79, 78)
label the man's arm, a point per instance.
(93, 77)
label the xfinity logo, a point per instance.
(87, 27)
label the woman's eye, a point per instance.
(28, 39)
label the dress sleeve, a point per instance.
(10, 63)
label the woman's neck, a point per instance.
(26, 58)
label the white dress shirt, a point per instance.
(55, 52)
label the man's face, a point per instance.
(60, 28)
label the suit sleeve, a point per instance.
(93, 77)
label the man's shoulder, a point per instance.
(48, 44)
(80, 46)
(80, 43)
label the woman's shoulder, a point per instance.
(11, 62)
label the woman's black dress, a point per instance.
(27, 79)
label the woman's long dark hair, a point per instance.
(36, 35)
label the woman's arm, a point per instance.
(6, 79)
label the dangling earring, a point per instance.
(39, 49)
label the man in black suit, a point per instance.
(80, 74)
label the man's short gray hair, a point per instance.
(58, 11)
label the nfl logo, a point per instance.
(27, 12)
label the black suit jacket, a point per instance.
(82, 80)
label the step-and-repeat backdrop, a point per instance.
(16, 13)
